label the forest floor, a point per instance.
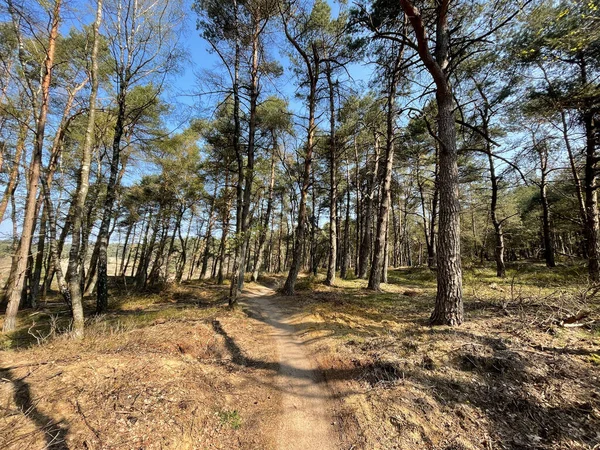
(331, 368)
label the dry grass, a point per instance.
(159, 371)
(150, 374)
(512, 377)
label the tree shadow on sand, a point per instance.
(55, 432)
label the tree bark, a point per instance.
(312, 72)
(22, 253)
(55, 258)
(591, 198)
(386, 248)
(263, 232)
(431, 256)
(498, 230)
(208, 238)
(73, 270)
(36, 275)
(233, 288)
(237, 280)
(427, 230)
(184, 243)
(379, 253)
(367, 237)
(332, 262)
(12, 180)
(109, 201)
(448, 306)
(225, 230)
(125, 255)
(542, 150)
(347, 252)
(358, 218)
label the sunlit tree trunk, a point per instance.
(332, 262)
(378, 266)
(347, 250)
(367, 237)
(208, 237)
(449, 305)
(263, 232)
(22, 253)
(312, 72)
(237, 280)
(14, 173)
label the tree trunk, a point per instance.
(195, 250)
(224, 232)
(358, 219)
(448, 308)
(55, 153)
(546, 226)
(431, 262)
(241, 239)
(347, 252)
(140, 247)
(14, 173)
(176, 231)
(426, 223)
(111, 195)
(574, 172)
(379, 254)
(36, 273)
(312, 69)
(332, 262)
(499, 234)
(314, 221)
(55, 258)
(367, 237)
(386, 249)
(184, 243)
(154, 274)
(591, 198)
(124, 255)
(141, 274)
(22, 254)
(448, 305)
(49, 276)
(280, 237)
(208, 238)
(74, 271)
(263, 232)
(269, 266)
(290, 282)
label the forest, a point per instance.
(300, 224)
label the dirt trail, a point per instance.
(306, 420)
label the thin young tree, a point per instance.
(83, 183)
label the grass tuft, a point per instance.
(230, 418)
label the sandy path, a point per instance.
(306, 418)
